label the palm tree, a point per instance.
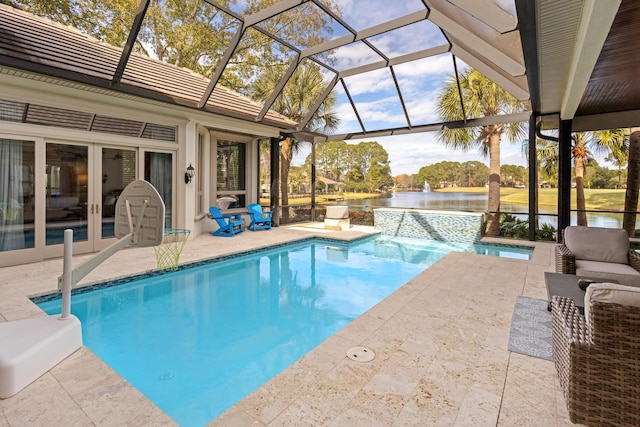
(620, 161)
(623, 146)
(547, 157)
(296, 99)
(633, 182)
(580, 153)
(480, 97)
(605, 140)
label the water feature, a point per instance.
(427, 188)
(473, 202)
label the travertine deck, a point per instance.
(440, 344)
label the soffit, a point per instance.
(587, 60)
(614, 85)
(558, 27)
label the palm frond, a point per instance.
(481, 97)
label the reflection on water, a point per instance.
(474, 202)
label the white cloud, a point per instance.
(371, 82)
(354, 55)
(377, 11)
(422, 110)
(416, 80)
(379, 110)
(411, 38)
(423, 68)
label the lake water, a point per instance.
(473, 202)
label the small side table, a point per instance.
(566, 285)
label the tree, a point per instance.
(362, 167)
(580, 153)
(620, 162)
(547, 151)
(633, 183)
(480, 97)
(441, 174)
(615, 143)
(513, 174)
(474, 173)
(193, 34)
(376, 166)
(404, 181)
(298, 177)
(547, 160)
(610, 140)
(603, 178)
(374, 161)
(295, 101)
(330, 159)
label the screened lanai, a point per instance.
(394, 45)
(380, 62)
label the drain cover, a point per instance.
(361, 354)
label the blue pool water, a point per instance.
(198, 340)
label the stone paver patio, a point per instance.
(440, 344)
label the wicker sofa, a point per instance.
(598, 252)
(597, 358)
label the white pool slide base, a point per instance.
(31, 347)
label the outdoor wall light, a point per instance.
(188, 175)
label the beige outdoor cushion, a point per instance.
(337, 212)
(610, 293)
(598, 244)
(623, 273)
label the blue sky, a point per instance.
(375, 95)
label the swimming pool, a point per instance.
(198, 340)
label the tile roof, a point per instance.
(37, 44)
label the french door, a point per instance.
(83, 183)
(115, 168)
(68, 197)
(48, 187)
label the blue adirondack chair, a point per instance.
(228, 225)
(259, 220)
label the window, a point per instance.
(231, 187)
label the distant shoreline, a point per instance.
(596, 198)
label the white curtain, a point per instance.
(11, 195)
(160, 177)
